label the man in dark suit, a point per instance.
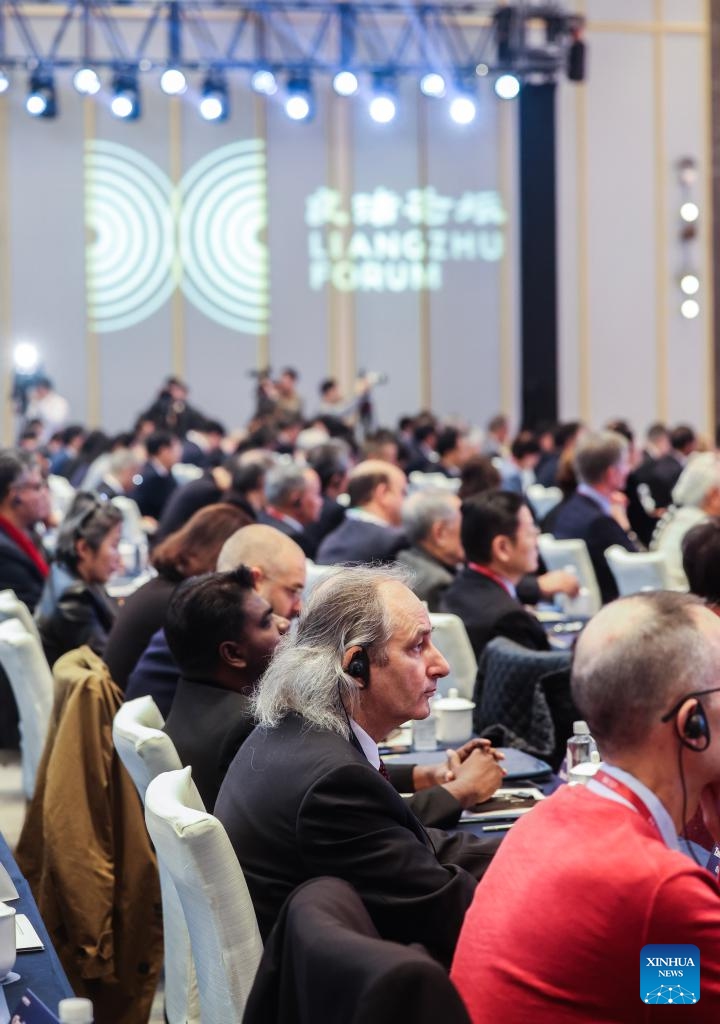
(371, 530)
(306, 794)
(596, 512)
(665, 471)
(24, 502)
(157, 483)
(500, 541)
(331, 462)
(293, 500)
(643, 514)
(222, 634)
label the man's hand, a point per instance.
(476, 777)
(559, 582)
(425, 775)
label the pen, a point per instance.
(499, 828)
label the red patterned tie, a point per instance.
(383, 770)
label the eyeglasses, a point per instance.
(695, 693)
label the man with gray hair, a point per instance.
(307, 794)
(431, 520)
(596, 512)
(294, 500)
(696, 497)
(645, 676)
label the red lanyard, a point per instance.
(484, 571)
(630, 795)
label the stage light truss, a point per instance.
(290, 38)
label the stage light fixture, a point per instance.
(689, 212)
(214, 103)
(689, 284)
(4, 81)
(345, 83)
(690, 309)
(433, 84)
(26, 357)
(383, 105)
(299, 104)
(125, 104)
(173, 82)
(41, 100)
(86, 81)
(507, 87)
(263, 81)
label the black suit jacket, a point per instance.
(300, 802)
(142, 615)
(154, 491)
(488, 610)
(663, 476)
(279, 524)
(357, 541)
(581, 518)
(19, 573)
(331, 515)
(208, 725)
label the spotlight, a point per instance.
(463, 107)
(41, 100)
(345, 83)
(507, 87)
(26, 357)
(299, 101)
(690, 309)
(689, 212)
(264, 82)
(173, 82)
(4, 81)
(432, 84)
(125, 104)
(689, 284)
(214, 105)
(86, 81)
(382, 106)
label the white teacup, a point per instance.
(7, 940)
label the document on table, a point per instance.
(7, 886)
(27, 939)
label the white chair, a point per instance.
(11, 607)
(572, 554)
(62, 493)
(419, 481)
(314, 573)
(637, 570)
(195, 850)
(451, 639)
(26, 667)
(147, 752)
(186, 472)
(132, 527)
(543, 499)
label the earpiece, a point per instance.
(359, 666)
(696, 734)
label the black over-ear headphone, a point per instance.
(695, 734)
(359, 666)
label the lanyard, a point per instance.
(484, 571)
(628, 794)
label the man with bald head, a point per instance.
(645, 676)
(371, 530)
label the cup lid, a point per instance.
(453, 702)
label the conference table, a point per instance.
(40, 971)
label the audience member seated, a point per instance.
(188, 552)
(331, 462)
(643, 520)
(371, 529)
(566, 436)
(666, 469)
(277, 565)
(221, 634)
(595, 873)
(497, 436)
(477, 476)
(293, 500)
(422, 455)
(24, 502)
(72, 441)
(500, 541)
(701, 561)
(596, 511)
(453, 449)
(123, 466)
(157, 483)
(74, 608)
(518, 472)
(381, 444)
(431, 521)
(202, 445)
(696, 497)
(305, 795)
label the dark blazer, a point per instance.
(19, 573)
(331, 515)
(431, 579)
(357, 541)
(208, 724)
(71, 613)
(582, 518)
(153, 492)
(488, 610)
(300, 802)
(155, 675)
(142, 615)
(663, 476)
(279, 524)
(185, 501)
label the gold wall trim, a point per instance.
(92, 343)
(661, 238)
(177, 301)
(583, 199)
(658, 26)
(425, 310)
(508, 393)
(342, 340)
(708, 232)
(6, 348)
(260, 115)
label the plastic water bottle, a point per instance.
(581, 747)
(75, 1011)
(424, 731)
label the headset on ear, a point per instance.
(359, 667)
(695, 733)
